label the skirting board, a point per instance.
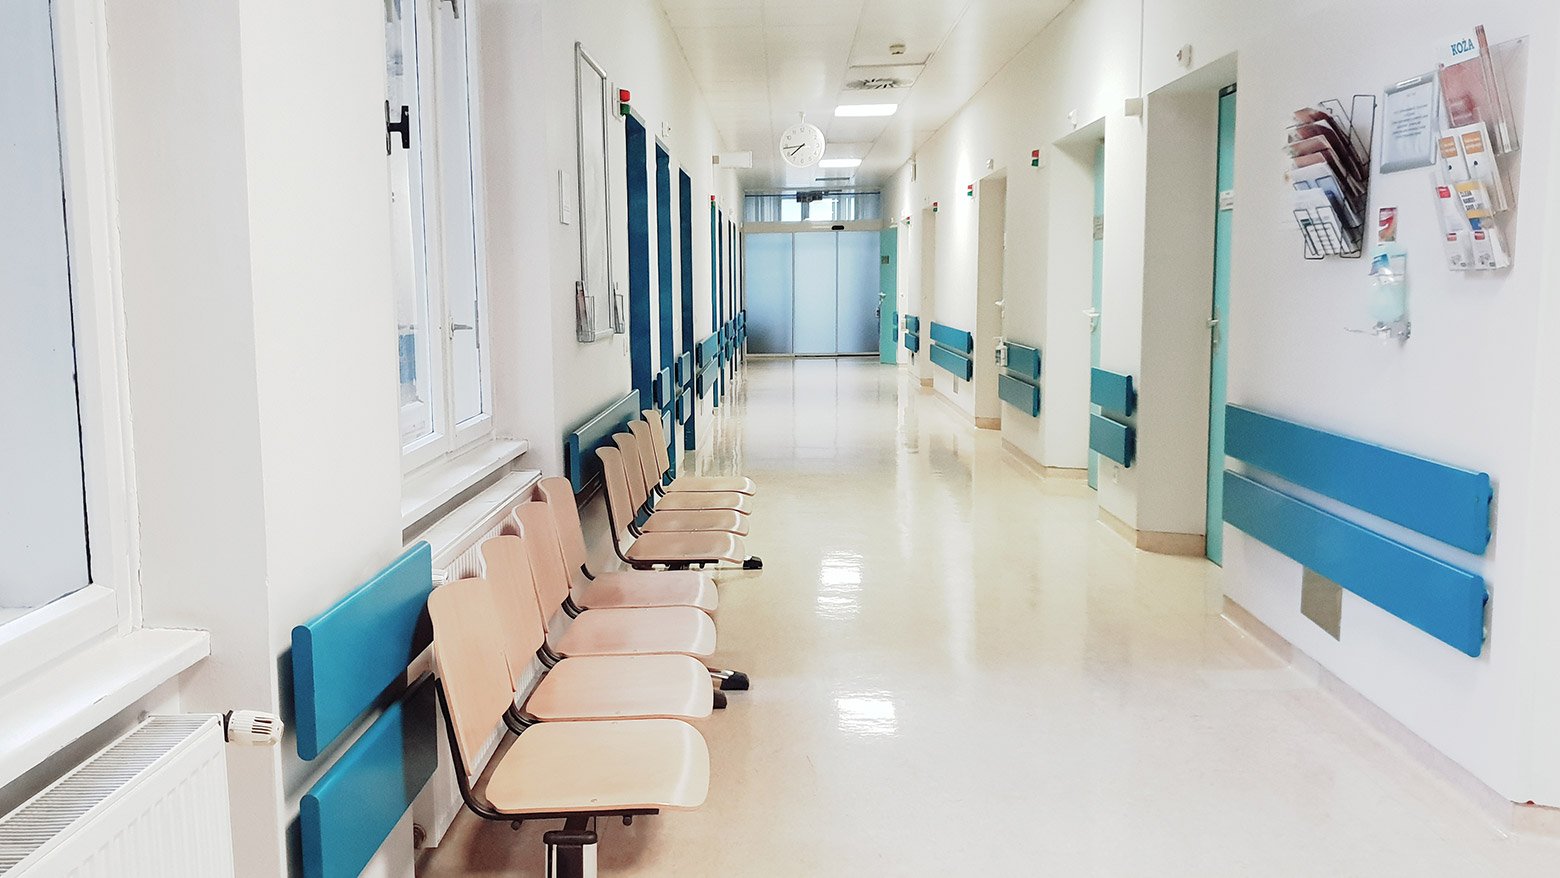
(926, 382)
(1534, 820)
(1040, 469)
(989, 423)
(1158, 542)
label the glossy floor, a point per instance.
(958, 671)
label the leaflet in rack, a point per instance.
(1329, 152)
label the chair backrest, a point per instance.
(507, 569)
(468, 651)
(647, 457)
(620, 510)
(633, 469)
(663, 461)
(546, 556)
(558, 494)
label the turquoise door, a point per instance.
(1224, 221)
(888, 297)
(1097, 294)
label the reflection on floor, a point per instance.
(958, 671)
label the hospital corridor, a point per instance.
(779, 439)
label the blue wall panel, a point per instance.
(637, 156)
(1444, 601)
(912, 342)
(912, 323)
(1111, 439)
(345, 817)
(1440, 501)
(1023, 360)
(1020, 394)
(953, 339)
(960, 365)
(1112, 392)
(346, 658)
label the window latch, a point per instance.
(403, 127)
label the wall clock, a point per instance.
(802, 145)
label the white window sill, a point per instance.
(53, 708)
(428, 489)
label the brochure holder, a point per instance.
(1478, 150)
(1329, 149)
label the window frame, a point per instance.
(449, 437)
(110, 605)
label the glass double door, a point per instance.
(813, 293)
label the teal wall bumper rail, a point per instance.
(1112, 439)
(953, 339)
(662, 388)
(682, 370)
(708, 350)
(1023, 361)
(953, 361)
(345, 659)
(1112, 392)
(912, 342)
(1445, 602)
(580, 463)
(1020, 394)
(347, 815)
(1444, 502)
(912, 324)
(706, 379)
(685, 405)
(1019, 386)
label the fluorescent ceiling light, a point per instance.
(866, 109)
(839, 163)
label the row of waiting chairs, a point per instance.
(602, 730)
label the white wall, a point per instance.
(526, 53)
(1462, 390)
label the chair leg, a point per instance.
(729, 680)
(753, 562)
(571, 851)
(720, 700)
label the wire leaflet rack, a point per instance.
(1331, 214)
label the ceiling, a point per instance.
(762, 62)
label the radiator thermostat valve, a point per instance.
(252, 727)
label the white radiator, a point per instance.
(154, 804)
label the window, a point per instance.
(67, 523)
(43, 523)
(826, 207)
(446, 395)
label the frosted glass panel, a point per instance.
(814, 319)
(769, 293)
(858, 291)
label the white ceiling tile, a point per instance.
(760, 62)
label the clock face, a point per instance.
(802, 145)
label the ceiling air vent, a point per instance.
(876, 83)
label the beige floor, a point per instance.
(958, 671)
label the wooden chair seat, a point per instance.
(706, 484)
(595, 767)
(639, 631)
(655, 431)
(684, 500)
(610, 687)
(686, 548)
(696, 521)
(649, 588)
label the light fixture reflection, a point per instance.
(867, 714)
(839, 586)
